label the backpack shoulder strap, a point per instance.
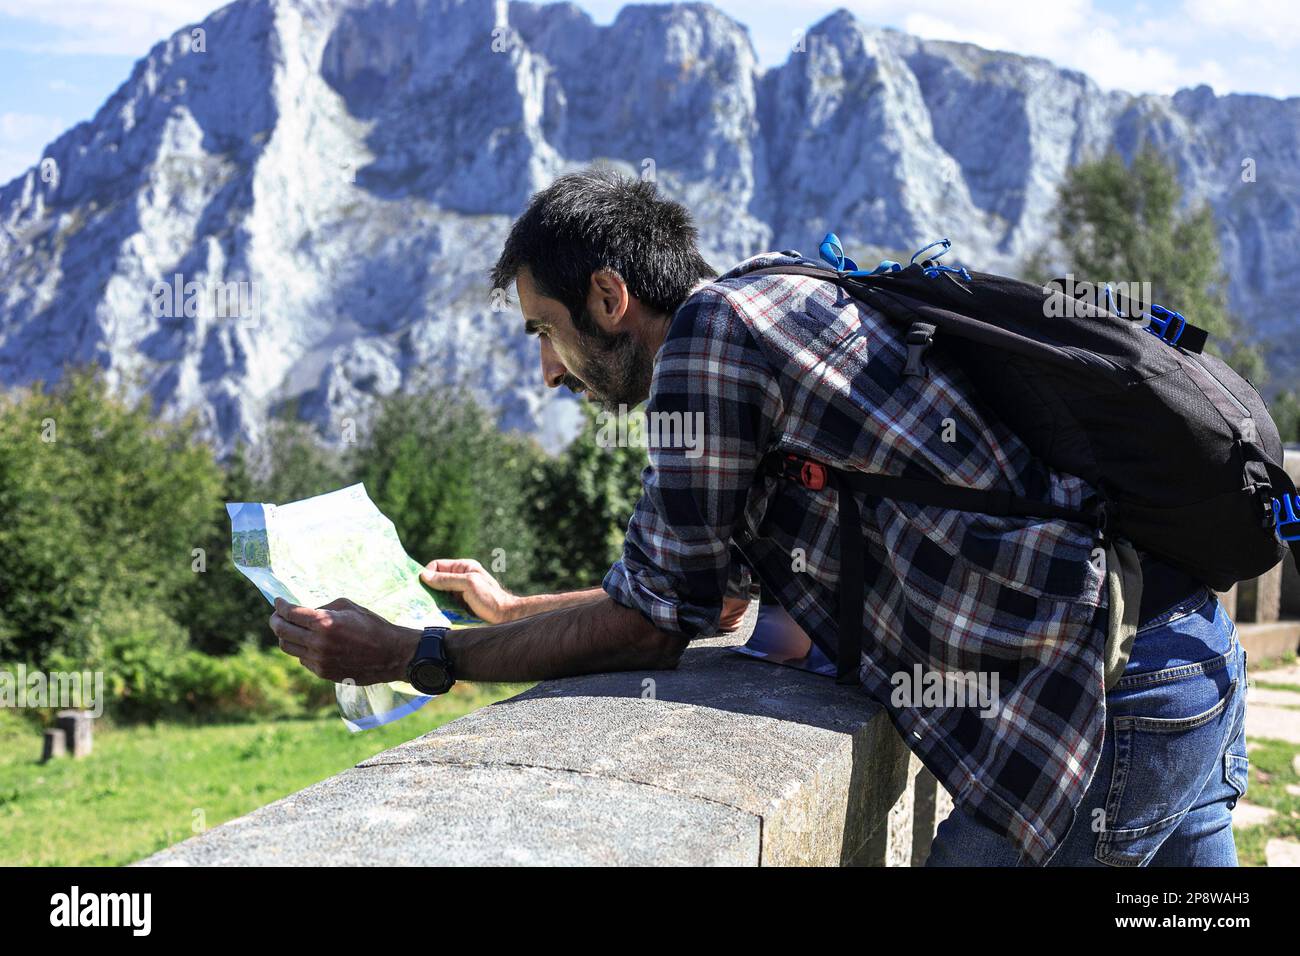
(815, 476)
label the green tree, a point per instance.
(582, 500)
(291, 463)
(1123, 222)
(1286, 413)
(453, 484)
(103, 509)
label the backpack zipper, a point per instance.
(1222, 388)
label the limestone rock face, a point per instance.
(300, 199)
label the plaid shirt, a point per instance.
(793, 364)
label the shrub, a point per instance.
(99, 501)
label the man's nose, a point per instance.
(553, 370)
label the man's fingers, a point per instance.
(286, 630)
(294, 649)
(450, 570)
(445, 580)
(300, 643)
(308, 617)
(458, 565)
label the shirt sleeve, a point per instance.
(714, 401)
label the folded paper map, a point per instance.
(338, 545)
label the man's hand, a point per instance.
(478, 589)
(344, 641)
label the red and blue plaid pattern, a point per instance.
(791, 363)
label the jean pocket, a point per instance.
(1162, 763)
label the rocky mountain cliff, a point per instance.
(295, 202)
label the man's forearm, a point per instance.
(531, 604)
(591, 637)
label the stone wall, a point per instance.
(726, 760)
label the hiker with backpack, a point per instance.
(946, 479)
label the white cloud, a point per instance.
(1271, 22)
(1232, 45)
(1117, 55)
(123, 27)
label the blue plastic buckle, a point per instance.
(1162, 320)
(1284, 518)
(935, 267)
(932, 271)
(886, 265)
(833, 252)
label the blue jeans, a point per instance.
(1173, 763)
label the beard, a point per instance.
(617, 367)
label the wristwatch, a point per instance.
(430, 670)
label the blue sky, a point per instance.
(60, 59)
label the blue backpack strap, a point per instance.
(1285, 521)
(1284, 510)
(1170, 327)
(931, 266)
(833, 252)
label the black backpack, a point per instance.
(1182, 451)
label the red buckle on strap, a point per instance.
(812, 475)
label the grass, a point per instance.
(147, 787)
(1271, 770)
(1274, 685)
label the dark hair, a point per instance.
(597, 219)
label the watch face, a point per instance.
(429, 677)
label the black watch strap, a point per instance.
(433, 646)
(431, 655)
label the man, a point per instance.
(1052, 768)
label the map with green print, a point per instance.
(337, 545)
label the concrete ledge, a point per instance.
(1268, 641)
(725, 761)
(475, 816)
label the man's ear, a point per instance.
(607, 299)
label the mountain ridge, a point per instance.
(358, 164)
